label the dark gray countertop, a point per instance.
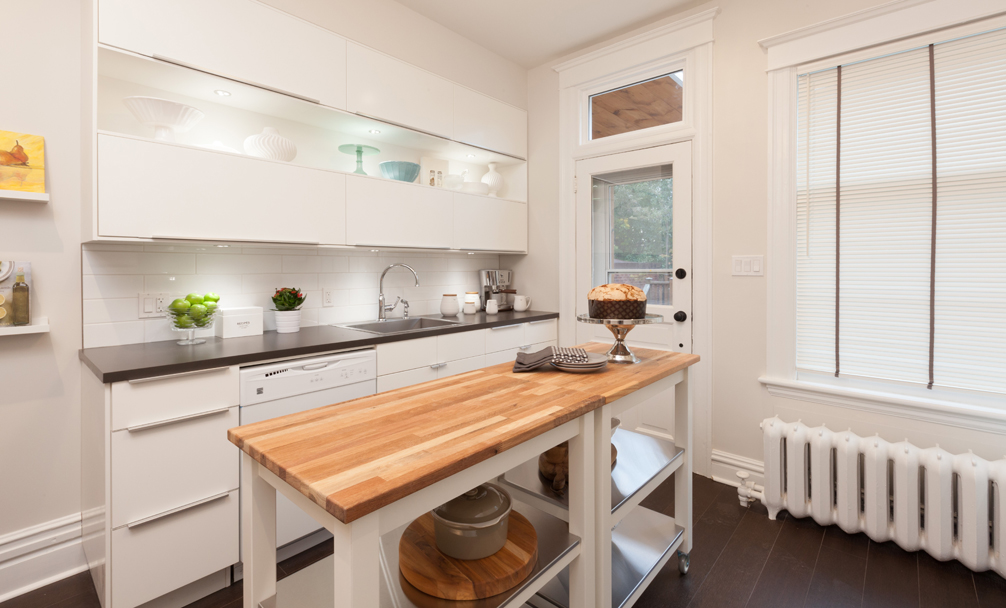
(134, 361)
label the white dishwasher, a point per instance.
(296, 385)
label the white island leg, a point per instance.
(683, 476)
(357, 561)
(258, 536)
(580, 485)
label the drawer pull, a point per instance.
(505, 326)
(179, 375)
(185, 64)
(233, 240)
(525, 347)
(541, 321)
(438, 365)
(147, 520)
(150, 425)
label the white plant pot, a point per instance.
(287, 321)
(493, 179)
(270, 144)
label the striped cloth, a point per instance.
(529, 361)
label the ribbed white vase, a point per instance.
(270, 144)
(493, 179)
(287, 321)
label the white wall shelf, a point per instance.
(41, 326)
(30, 197)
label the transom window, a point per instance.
(642, 105)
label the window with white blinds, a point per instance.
(901, 216)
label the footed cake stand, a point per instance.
(620, 328)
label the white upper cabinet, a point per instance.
(482, 121)
(153, 189)
(489, 224)
(239, 39)
(395, 214)
(383, 87)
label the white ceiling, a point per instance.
(530, 32)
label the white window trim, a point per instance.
(687, 43)
(892, 26)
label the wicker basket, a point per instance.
(616, 309)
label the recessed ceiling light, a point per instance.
(375, 131)
(222, 93)
(471, 156)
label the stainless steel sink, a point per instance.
(400, 326)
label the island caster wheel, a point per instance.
(683, 562)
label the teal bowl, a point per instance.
(400, 170)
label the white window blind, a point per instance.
(901, 216)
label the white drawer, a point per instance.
(161, 555)
(408, 378)
(404, 355)
(139, 402)
(462, 345)
(540, 331)
(163, 467)
(510, 355)
(504, 337)
(452, 368)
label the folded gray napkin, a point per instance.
(529, 361)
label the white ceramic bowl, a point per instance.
(475, 188)
(453, 181)
(270, 144)
(165, 116)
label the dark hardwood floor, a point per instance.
(740, 559)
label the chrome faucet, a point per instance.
(382, 308)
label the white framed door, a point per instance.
(634, 225)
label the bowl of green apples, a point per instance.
(191, 313)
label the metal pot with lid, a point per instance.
(473, 525)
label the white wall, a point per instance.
(247, 276)
(403, 33)
(39, 379)
(740, 212)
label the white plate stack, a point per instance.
(594, 363)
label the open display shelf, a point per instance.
(640, 546)
(556, 548)
(40, 326)
(641, 459)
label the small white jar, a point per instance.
(472, 297)
(449, 305)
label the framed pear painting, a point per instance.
(22, 162)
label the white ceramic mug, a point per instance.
(470, 308)
(521, 303)
(492, 307)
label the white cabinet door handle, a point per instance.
(151, 425)
(505, 326)
(169, 376)
(525, 347)
(147, 520)
(438, 365)
(542, 321)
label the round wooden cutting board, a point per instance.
(436, 574)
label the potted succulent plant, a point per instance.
(287, 301)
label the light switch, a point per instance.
(153, 305)
(748, 266)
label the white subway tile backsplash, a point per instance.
(238, 264)
(97, 286)
(111, 310)
(114, 274)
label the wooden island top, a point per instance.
(353, 458)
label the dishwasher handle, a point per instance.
(315, 366)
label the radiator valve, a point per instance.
(748, 490)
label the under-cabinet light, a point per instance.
(375, 131)
(223, 245)
(471, 156)
(222, 93)
(374, 250)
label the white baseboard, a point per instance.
(726, 465)
(39, 555)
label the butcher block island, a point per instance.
(367, 468)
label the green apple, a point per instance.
(194, 298)
(210, 307)
(197, 311)
(211, 297)
(183, 321)
(179, 305)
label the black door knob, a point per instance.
(680, 316)
(680, 273)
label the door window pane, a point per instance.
(642, 105)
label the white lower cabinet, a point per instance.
(453, 368)
(405, 355)
(504, 337)
(407, 378)
(153, 558)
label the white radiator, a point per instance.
(949, 505)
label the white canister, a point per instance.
(472, 297)
(492, 307)
(238, 322)
(470, 308)
(287, 321)
(521, 303)
(449, 305)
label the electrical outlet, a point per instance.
(748, 266)
(327, 297)
(153, 305)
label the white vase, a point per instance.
(493, 179)
(270, 144)
(449, 305)
(287, 321)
